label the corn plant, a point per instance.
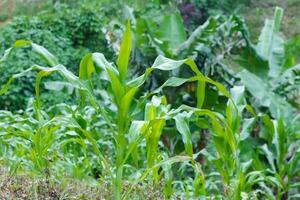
(123, 92)
(281, 152)
(136, 123)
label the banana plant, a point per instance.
(171, 39)
(264, 70)
(208, 44)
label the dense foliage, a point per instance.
(183, 111)
(67, 37)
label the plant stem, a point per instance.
(121, 147)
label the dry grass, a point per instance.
(25, 186)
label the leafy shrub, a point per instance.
(68, 33)
(220, 6)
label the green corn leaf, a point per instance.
(40, 75)
(168, 161)
(86, 67)
(117, 86)
(183, 128)
(219, 86)
(171, 82)
(280, 141)
(80, 141)
(45, 54)
(71, 122)
(21, 43)
(156, 125)
(174, 82)
(125, 51)
(41, 51)
(112, 75)
(126, 102)
(136, 130)
(69, 76)
(219, 125)
(101, 64)
(6, 54)
(199, 185)
(17, 44)
(5, 88)
(200, 93)
(247, 127)
(233, 116)
(166, 64)
(137, 82)
(59, 86)
(168, 179)
(150, 112)
(238, 94)
(152, 139)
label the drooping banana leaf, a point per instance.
(172, 31)
(271, 45)
(262, 91)
(265, 59)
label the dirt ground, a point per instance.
(25, 186)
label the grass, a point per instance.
(25, 185)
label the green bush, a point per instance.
(67, 32)
(221, 6)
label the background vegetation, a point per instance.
(157, 99)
